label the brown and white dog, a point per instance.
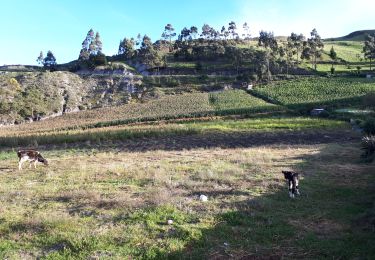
(293, 180)
(32, 156)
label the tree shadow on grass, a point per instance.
(321, 223)
(209, 140)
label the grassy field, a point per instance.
(308, 93)
(349, 51)
(113, 199)
(117, 175)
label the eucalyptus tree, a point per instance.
(87, 46)
(315, 46)
(49, 61)
(168, 34)
(296, 41)
(268, 41)
(369, 48)
(246, 31)
(40, 58)
(126, 48)
(232, 29)
(193, 32)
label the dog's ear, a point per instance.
(286, 174)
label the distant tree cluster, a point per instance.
(91, 53)
(91, 45)
(48, 62)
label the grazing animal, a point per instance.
(293, 180)
(32, 156)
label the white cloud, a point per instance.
(330, 18)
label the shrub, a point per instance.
(368, 126)
(369, 100)
(99, 59)
(368, 145)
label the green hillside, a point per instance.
(354, 36)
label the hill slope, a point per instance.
(354, 36)
(28, 95)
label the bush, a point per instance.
(99, 59)
(368, 145)
(368, 126)
(324, 114)
(368, 100)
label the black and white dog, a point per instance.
(32, 156)
(292, 178)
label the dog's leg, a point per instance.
(297, 190)
(20, 162)
(291, 194)
(35, 164)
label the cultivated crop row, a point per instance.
(308, 92)
(168, 107)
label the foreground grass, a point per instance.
(106, 202)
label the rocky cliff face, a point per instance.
(28, 96)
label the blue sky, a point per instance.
(28, 27)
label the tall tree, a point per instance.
(193, 32)
(168, 34)
(87, 42)
(333, 56)
(50, 60)
(232, 29)
(287, 50)
(222, 31)
(316, 46)
(126, 48)
(206, 31)
(296, 41)
(268, 41)
(40, 58)
(185, 34)
(369, 48)
(246, 31)
(98, 44)
(138, 40)
(148, 54)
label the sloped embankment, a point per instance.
(27, 96)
